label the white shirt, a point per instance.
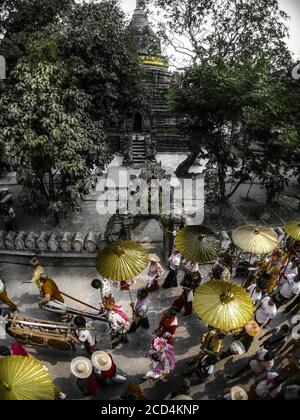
(2, 287)
(255, 296)
(263, 388)
(266, 312)
(105, 290)
(86, 335)
(174, 261)
(259, 365)
(290, 288)
(291, 269)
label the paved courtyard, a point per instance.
(131, 358)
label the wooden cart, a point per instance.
(40, 333)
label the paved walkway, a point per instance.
(130, 358)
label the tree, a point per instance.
(58, 149)
(229, 30)
(98, 48)
(238, 118)
(225, 31)
(22, 18)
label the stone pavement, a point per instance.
(131, 358)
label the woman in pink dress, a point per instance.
(163, 360)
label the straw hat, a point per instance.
(252, 328)
(81, 367)
(239, 394)
(101, 360)
(153, 258)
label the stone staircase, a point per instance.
(138, 149)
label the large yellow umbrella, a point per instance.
(223, 305)
(123, 260)
(255, 239)
(293, 230)
(24, 378)
(198, 244)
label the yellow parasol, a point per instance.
(123, 260)
(293, 230)
(198, 244)
(24, 378)
(223, 305)
(255, 239)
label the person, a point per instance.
(86, 379)
(106, 295)
(262, 362)
(294, 343)
(140, 310)
(171, 279)
(118, 322)
(4, 297)
(274, 276)
(288, 290)
(10, 222)
(37, 271)
(265, 312)
(163, 360)
(192, 277)
(294, 307)
(105, 367)
(205, 367)
(236, 393)
(291, 393)
(133, 393)
(255, 293)
(84, 335)
(185, 301)
(168, 323)
(217, 270)
(155, 273)
(50, 292)
(276, 338)
(270, 387)
(243, 340)
(183, 388)
(210, 343)
(15, 349)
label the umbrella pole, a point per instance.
(130, 295)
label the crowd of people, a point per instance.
(273, 284)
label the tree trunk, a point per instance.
(10, 240)
(78, 242)
(30, 241)
(66, 242)
(20, 241)
(91, 242)
(186, 165)
(42, 241)
(53, 242)
(2, 239)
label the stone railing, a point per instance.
(52, 242)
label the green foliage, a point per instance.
(57, 148)
(240, 119)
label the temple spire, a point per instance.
(141, 4)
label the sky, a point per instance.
(292, 7)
